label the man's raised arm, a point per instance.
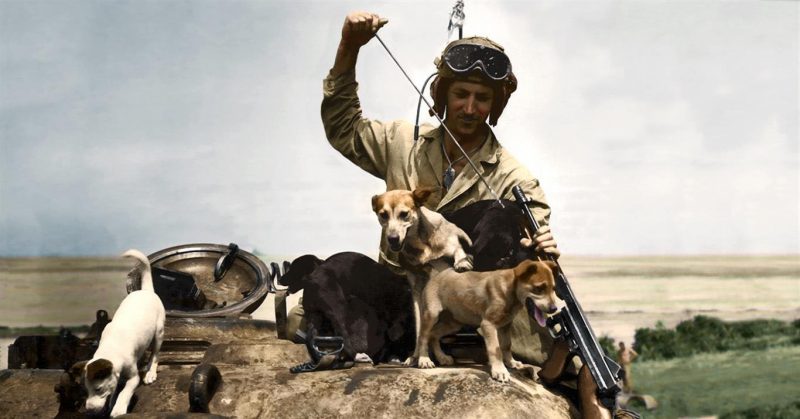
(360, 140)
(357, 30)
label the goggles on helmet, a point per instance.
(464, 58)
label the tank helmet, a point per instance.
(476, 59)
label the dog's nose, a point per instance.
(552, 309)
(394, 240)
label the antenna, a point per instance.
(456, 20)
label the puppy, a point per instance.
(138, 324)
(352, 296)
(496, 232)
(486, 299)
(419, 236)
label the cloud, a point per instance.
(654, 127)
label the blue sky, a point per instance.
(654, 127)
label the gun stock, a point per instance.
(574, 336)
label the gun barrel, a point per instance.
(604, 370)
(575, 326)
(519, 195)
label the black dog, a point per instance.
(495, 232)
(352, 296)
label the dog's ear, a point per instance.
(99, 369)
(76, 370)
(376, 201)
(526, 268)
(421, 194)
(552, 265)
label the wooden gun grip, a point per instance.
(587, 393)
(555, 365)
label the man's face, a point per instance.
(468, 107)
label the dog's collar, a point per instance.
(388, 261)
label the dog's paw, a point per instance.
(150, 377)
(464, 264)
(410, 362)
(425, 362)
(500, 374)
(514, 364)
(118, 410)
(445, 359)
(362, 358)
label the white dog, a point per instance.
(138, 324)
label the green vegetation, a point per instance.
(704, 334)
(733, 384)
(791, 410)
(705, 366)
(609, 346)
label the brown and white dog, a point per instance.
(487, 299)
(138, 324)
(419, 236)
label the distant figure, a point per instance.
(625, 356)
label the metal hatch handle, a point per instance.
(225, 262)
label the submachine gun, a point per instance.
(599, 378)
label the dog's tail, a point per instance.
(143, 267)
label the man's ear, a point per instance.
(421, 195)
(376, 200)
(99, 369)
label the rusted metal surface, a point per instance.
(29, 393)
(256, 382)
(261, 389)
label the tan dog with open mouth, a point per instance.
(138, 324)
(420, 236)
(486, 299)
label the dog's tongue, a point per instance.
(534, 312)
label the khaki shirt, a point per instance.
(389, 151)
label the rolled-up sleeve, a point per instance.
(362, 141)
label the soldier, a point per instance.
(472, 87)
(626, 356)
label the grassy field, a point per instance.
(719, 383)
